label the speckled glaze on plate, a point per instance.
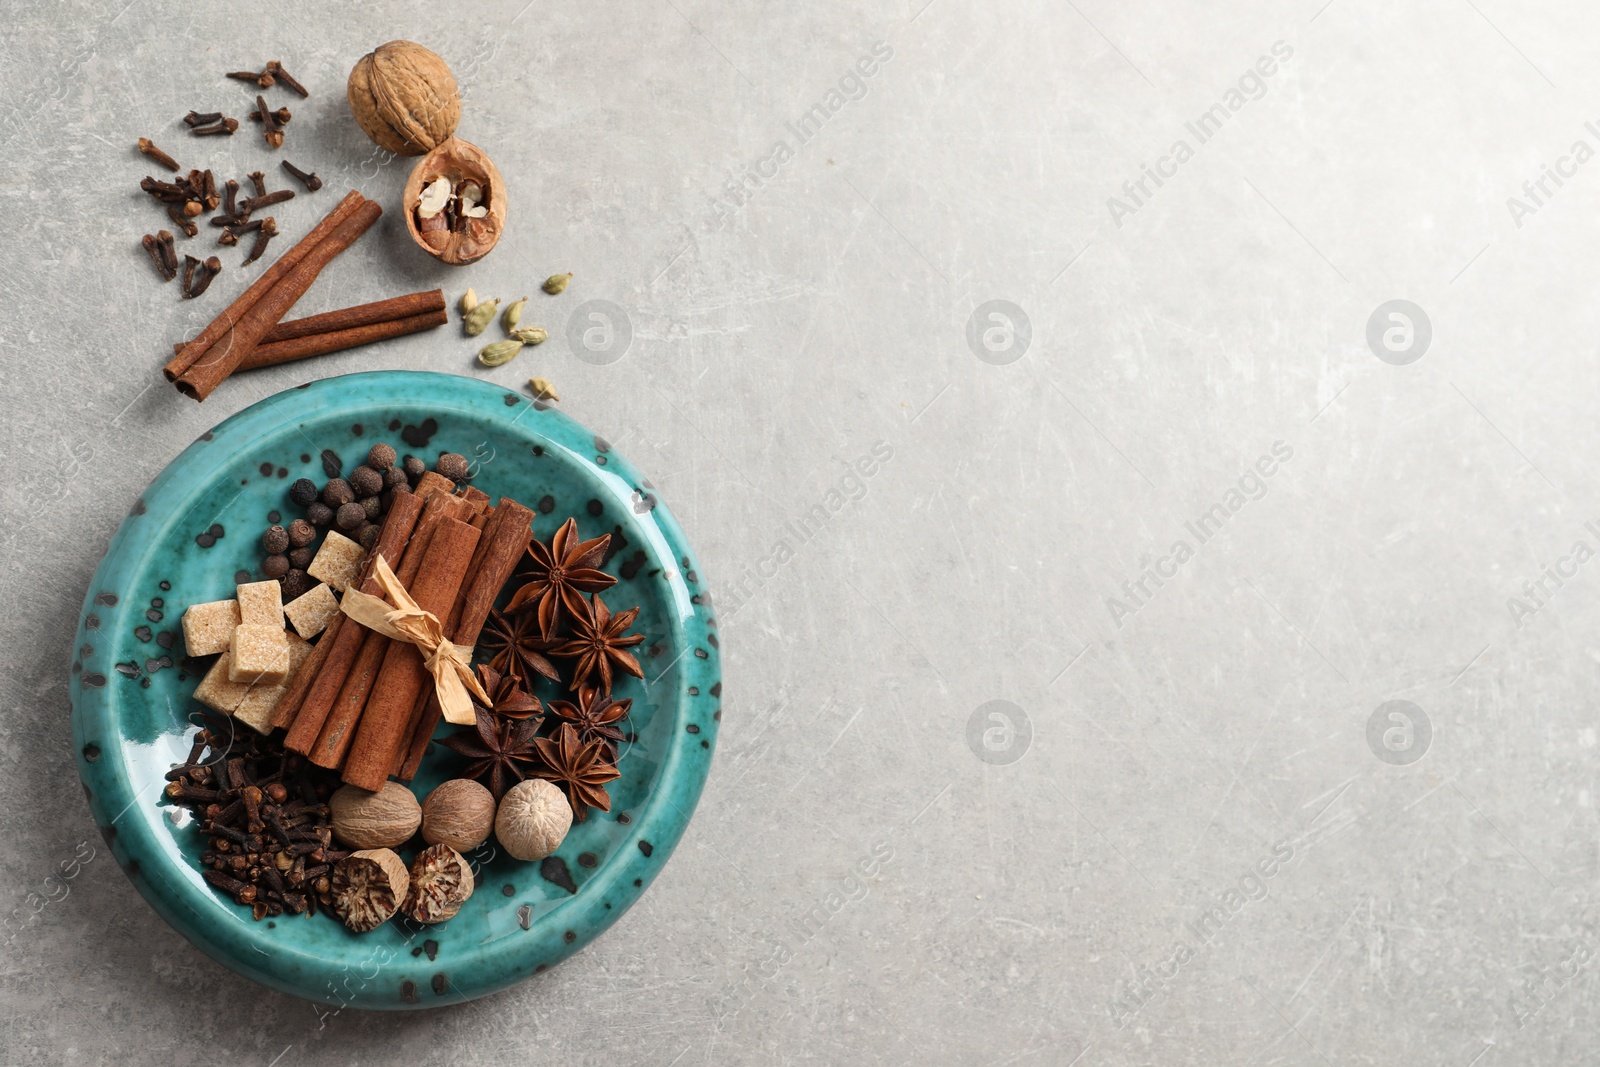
(199, 524)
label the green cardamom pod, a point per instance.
(469, 300)
(493, 355)
(512, 314)
(542, 389)
(531, 335)
(481, 315)
(556, 283)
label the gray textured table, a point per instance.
(1161, 466)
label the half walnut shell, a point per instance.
(454, 238)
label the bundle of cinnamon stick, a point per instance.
(249, 333)
(362, 703)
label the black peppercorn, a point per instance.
(297, 583)
(386, 498)
(301, 533)
(372, 506)
(275, 541)
(303, 491)
(365, 481)
(452, 465)
(367, 536)
(301, 557)
(337, 493)
(414, 468)
(381, 458)
(350, 516)
(275, 566)
(319, 514)
(394, 478)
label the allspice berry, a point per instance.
(350, 516)
(275, 566)
(303, 491)
(318, 513)
(275, 541)
(337, 493)
(301, 533)
(381, 457)
(300, 558)
(372, 506)
(533, 820)
(296, 583)
(375, 820)
(452, 465)
(365, 481)
(459, 813)
(414, 468)
(367, 535)
(395, 478)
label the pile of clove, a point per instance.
(265, 814)
(189, 196)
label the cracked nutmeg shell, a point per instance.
(462, 165)
(441, 881)
(369, 887)
(404, 97)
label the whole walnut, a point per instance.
(375, 820)
(404, 97)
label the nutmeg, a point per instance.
(404, 97)
(459, 813)
(368, 887)
(533, 820)
(375, 820)
(441, 881)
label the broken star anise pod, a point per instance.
(515, 648)
(504, 751)
(562, 572)
(507, 699)
(580, 770)
(599, 645)
(595, 716)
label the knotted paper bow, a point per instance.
(404, 620)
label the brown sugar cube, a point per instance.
(207, 628)
(311, 612)
(256, 709)
(260, 655)
(338, 561)
(261, 604)
(217, 690)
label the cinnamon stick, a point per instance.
(504, 541)
(402, 676)
(340, 703)
(270, 277)
(408, 306)
(217, 362)
(270, 355)
(343, 641)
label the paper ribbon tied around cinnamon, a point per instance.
(401, 619)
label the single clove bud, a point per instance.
(196, 118)
(230, 193)
(181, 221)
(249, 204)
(259, 180)
(276, 69)
(153, 249)
(169, 256)
(227, 126)
(311, 181)
(227, 237)
(167, 192)
(261, 78)
(148, 147)
(189, 265)
(209, 190)
(269, 123)
(268, 230)
(280, 116)
(191, 208)
(202, 278)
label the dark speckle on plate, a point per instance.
(525, 917)
(546, 505)
(142, 633)
(419, 436)
(595, 508)
(107, 599)
(441, 984)
(644, 846)
(554, 870)
(94, 681)
(508, 890)
(165, 585)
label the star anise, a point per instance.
(516, 650)
(507, 699)
(579, 770)
(595, 716)
(562, 572)
(599, 646)
(497, 749)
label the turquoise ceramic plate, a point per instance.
(199, 524)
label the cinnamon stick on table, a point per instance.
(388, 713)
(499, 550)
(220, 325)
(214, 365)
(335, 331)
(311, 694)
(339, 725)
